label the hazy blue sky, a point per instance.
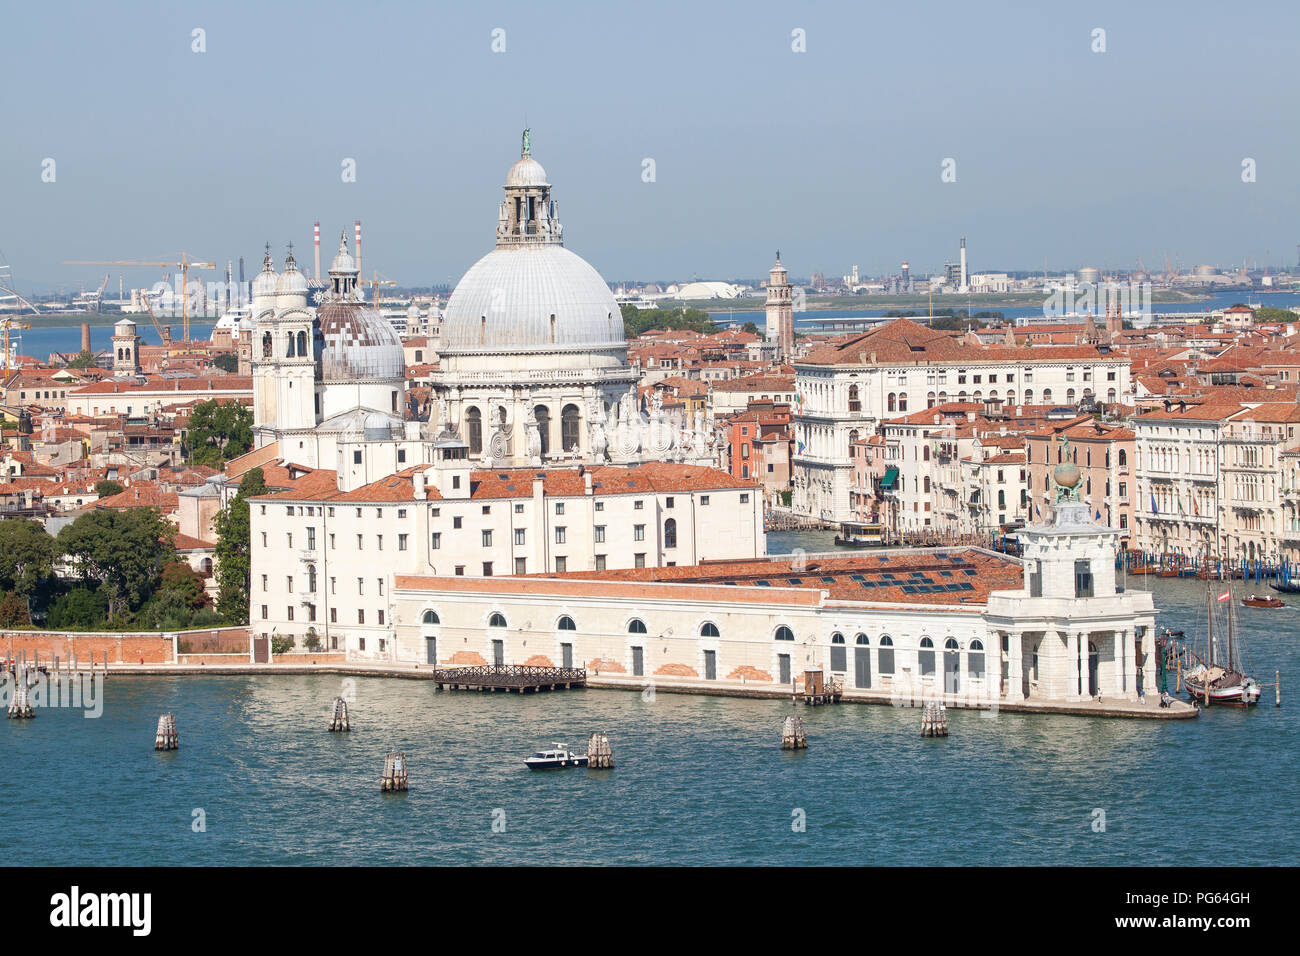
(833, 155)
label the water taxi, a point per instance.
(557, 757)
(853, 534)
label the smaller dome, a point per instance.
(265, 282)
(291, 281)
(526, 172)
(343, 261)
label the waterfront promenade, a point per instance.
(720, 688)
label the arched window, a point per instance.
(288, 347)
(943, 398)
(892, 402)
(886, 654)
(978, 396)
(1047, 396)
(961, 396)
(902, 401)
(862, 641)
(266, 346)
(854, 404)
(1011, 397)
(975, 659)
(670, 533)
(497, 619)
(784, 633)
(708, 629)
(929, 400)
(566, 624)
(950, 644)
(1069, 396)
(1123, 458)
(636, 627)
(1110, 397)
(839, 653)
(925, 657)
(569, 421)
(543, 416)
(302, 344)
(1029, 396)
(474, 423)
(925, 452)
(430, 617)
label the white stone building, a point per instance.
(845, 390)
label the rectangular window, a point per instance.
(559, 507)
(264, 582)
(401, 542)
(361, 616)
(1083, 578)
(487, 538)
(311, 539)
(639, 560)
(331, 540)
(487, 569)
(361, 586)
(521, 565)
(600, 506)
(401, 512)
(435, 541)
(638, 505)
(519, 509)
(600, 533)
(288, 581)
(559, 535)
(360, 544)
(381, 542)
(520, 535)
(487, 509)
(600, 562)
(561, 564)
(744, 498)
(455, 522)
(289, 609)
(264, 614)
(290, 537)
(704, 500)
(460, 570)
(638, 532)
(668, 502)
(381, 621)
(334, 615)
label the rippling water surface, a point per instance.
(698, 780)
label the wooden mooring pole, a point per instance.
(166, 738)
(600, 755)
(1277, 688)
(339, 722)
(394, 779)
(792, 735)
(934, 721)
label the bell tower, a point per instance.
(126, 349)
(528, 214)
(780, 311)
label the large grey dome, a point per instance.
(531, 298)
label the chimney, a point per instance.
(316, 230)
(85, 336)
(418, 481)
(586, 483)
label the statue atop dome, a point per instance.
(528, 143)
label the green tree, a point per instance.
(234, 538)
(13, 611)
(81, 609)
(123, 550)
(227, 362)
(26, 556)
(1267, 315)
(106, 489)
(82, 360)
(636, 321)
(750, 327)
(219, 431)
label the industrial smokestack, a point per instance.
(241, 270)
(316, 230)
(963, 263)
(359, 273)
(85, 336)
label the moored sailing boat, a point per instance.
(1219, 677)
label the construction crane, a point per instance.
(185, 265)
(375, 283)
(164, 331)
(8, 324)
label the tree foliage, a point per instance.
(219, 431)
(636, 321)
(26, 556)
(106, 489)
(82, 360)
(81, 609)
(13, 611)
(234, 538)
(122, 550)
(227, 362)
